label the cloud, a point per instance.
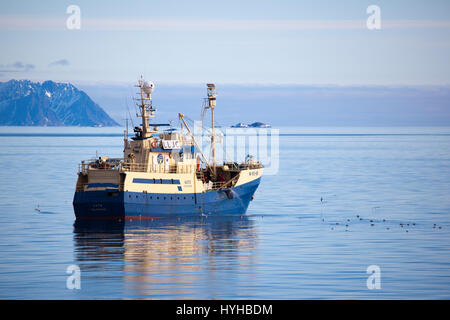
(17, 66)
(62, 62)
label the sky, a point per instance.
(228, 42)
(282, 62)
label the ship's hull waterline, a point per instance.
(117, 205)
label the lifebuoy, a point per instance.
(153, 144)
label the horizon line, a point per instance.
(239, 84)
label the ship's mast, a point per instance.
(211, 90)
(145, 106)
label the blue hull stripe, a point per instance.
(102, 185)
(156, 181)
(105, 204)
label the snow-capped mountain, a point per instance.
(27, 103)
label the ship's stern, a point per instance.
(98, 194)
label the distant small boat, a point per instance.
(259, 125)
(240, 125)
(253, 125)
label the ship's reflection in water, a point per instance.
(186, 258)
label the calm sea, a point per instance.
(344, 199)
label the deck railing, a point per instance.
(110, 164)
(118, 164)
(234, 166)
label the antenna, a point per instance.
(129, 114)
(126, 122)
(125, 135)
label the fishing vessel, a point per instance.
(164, 173)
